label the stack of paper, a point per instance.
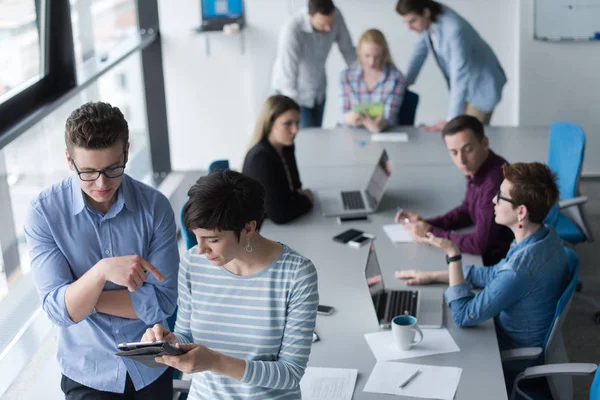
(430, 382)
(397, 233)
(328, 383)
(435, 341)
(399, 137)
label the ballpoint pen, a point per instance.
(410, 378)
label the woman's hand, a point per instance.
(374, 125)
(198, 358)
(159, 332)
(352, 119)
(414, 277)
(444, 244)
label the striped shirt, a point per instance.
(266, 319)
(388, 90)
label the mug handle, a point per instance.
(418, 330)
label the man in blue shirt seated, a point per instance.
(104, 260)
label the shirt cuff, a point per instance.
(145, 305)
(56, 308)
(456, 292)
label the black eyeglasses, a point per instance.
(89, 176)
(498, 198)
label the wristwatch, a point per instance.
(454, 258)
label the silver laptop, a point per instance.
(425, 305)
(358, 202)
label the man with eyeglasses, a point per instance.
(104, 261)
(469, 149)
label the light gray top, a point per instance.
(429, 190)
(299, 69)
(352, 146)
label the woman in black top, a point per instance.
(271, 160)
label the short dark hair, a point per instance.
(96, 126)
(404, 7)
(464, 122)
(534, 186)
(224, 200)
(324, 7)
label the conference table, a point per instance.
(423, 180)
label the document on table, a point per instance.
(328, 383)
(398, 137)
(430, 383)
(435, 341)
(397, 233)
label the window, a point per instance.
(21, 56)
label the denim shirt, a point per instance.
(520, 292)
(66, 237)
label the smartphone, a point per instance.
(361, 240)
(140, 345)
(350, 219)
(347, 235)
(324, 310)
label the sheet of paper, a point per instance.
(430, 383)
(328, 383)
(397, 233)
(398, 137)
(435, 341)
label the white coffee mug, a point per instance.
(404, 328)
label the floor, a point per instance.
(41, 379)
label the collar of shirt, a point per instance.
(125, 198)
(356, 74)
(533, 238)
(481, 175)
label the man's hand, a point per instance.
(435, 128)
(417, 229)
(404, 215)
(128, 271)
(414, 277)
(198, 358)
(159, 332)
(352, 119)
(373, 124)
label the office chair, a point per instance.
(551, 370)
(408, 109)
(553, 349)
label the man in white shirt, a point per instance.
(304, 44)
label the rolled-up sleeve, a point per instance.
(155, 301)
(499, 294)
(49, 267)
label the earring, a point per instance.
(248, 248)
(520, 225)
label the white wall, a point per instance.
(212, 100)
(560, 82)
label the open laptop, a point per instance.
(425, 305)
(358, 202)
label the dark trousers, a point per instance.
(312, 117)
(160, 389)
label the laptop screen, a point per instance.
(222, 8)
(376, 185)
(373, 272)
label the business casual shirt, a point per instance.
(388, 90)
(520, 292)
(299, 69)
(266, 319)
(66, 237)
(487, 239)
(281, 180)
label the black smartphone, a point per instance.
(350, 219)
(347, 235)
(324, 310)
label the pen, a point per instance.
(406, 220)
(410, 378)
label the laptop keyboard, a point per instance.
(397, 302)
(353, 200)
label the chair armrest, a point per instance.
(550, 370)
(523, 353)
(181, 386)
(575, 201)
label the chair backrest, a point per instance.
(595, 389)
(566, 150)
(218, 165)
(408, 109)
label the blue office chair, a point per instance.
(408, 109)
(565, 158)
(553, 349)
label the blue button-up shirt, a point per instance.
(67, 237)
(520, 292)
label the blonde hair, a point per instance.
(376, 37)
(273, 107)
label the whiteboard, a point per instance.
(567, 19)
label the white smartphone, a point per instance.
(361, 240)
(324, 310)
